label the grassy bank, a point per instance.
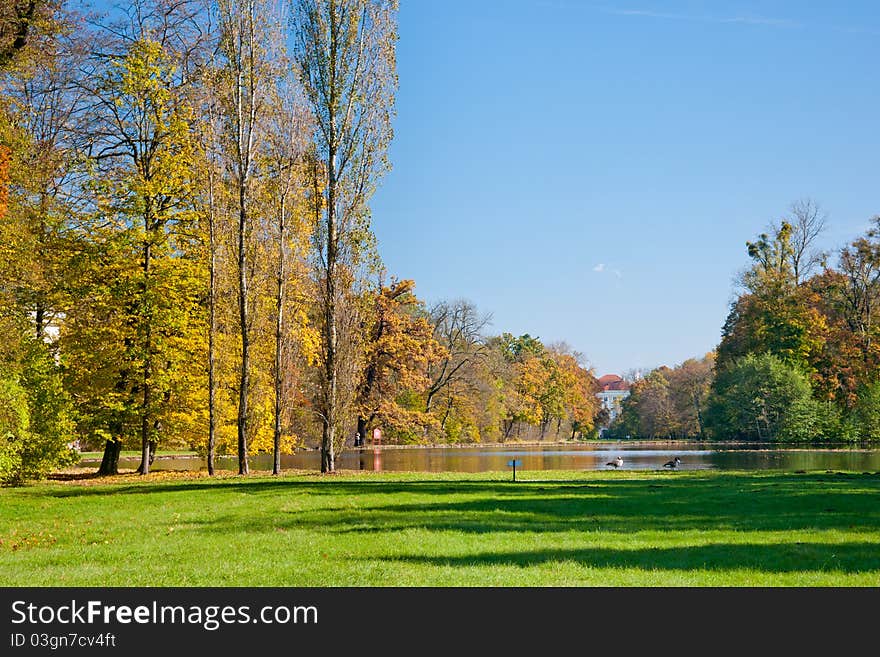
(633, 528)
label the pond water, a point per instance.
(636, 456)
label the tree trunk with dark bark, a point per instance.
(110, 460)
(279, 324)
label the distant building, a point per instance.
(614, 390)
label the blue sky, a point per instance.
(590, 172)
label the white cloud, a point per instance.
(742, 20)
(599, 268)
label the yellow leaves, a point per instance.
(5, 159)
(145, 74)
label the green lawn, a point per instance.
(623, 528)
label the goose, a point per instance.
(674, 463)
(616, 462)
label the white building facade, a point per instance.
(614, 390)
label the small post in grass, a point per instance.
(514, 463)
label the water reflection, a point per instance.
(641, 456)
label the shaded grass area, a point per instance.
(631, 528)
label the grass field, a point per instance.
(550, 528)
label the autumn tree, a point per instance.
(287, 165)
(774, 314)
(47, 104)
(579, 403)
(649, 411)
(39, 154)
(689, 386)
(859, 295)
(400, 349)
(207, 195)
(344, 51)
(20, 21)
(249, 41)
(143, 151)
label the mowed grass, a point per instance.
(550, 528)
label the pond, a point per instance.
(635, 455)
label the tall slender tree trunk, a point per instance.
(244, 377)
(40, 309)
(328, 438)
(146, 409)
(279, 323)
(212, 328)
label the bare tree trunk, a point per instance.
(146, 414)
(212, 322)
(328, 438)
(244, 375)
(212, 329)
(279, 321)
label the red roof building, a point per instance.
(613, 382)
(614, 390)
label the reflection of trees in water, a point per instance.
(566, 458)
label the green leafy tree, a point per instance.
(867, 412)
(760, 397)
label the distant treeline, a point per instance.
(799, 358)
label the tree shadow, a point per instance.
(741, 503)
(850, 557)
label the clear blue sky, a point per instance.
(590, 172)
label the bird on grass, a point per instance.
(674, 463)
(616, 463)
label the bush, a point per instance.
(36, 421)
(14, 424)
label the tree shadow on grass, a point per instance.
(291, 486)
(778, 503)
(331, 485)
(850, 557)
